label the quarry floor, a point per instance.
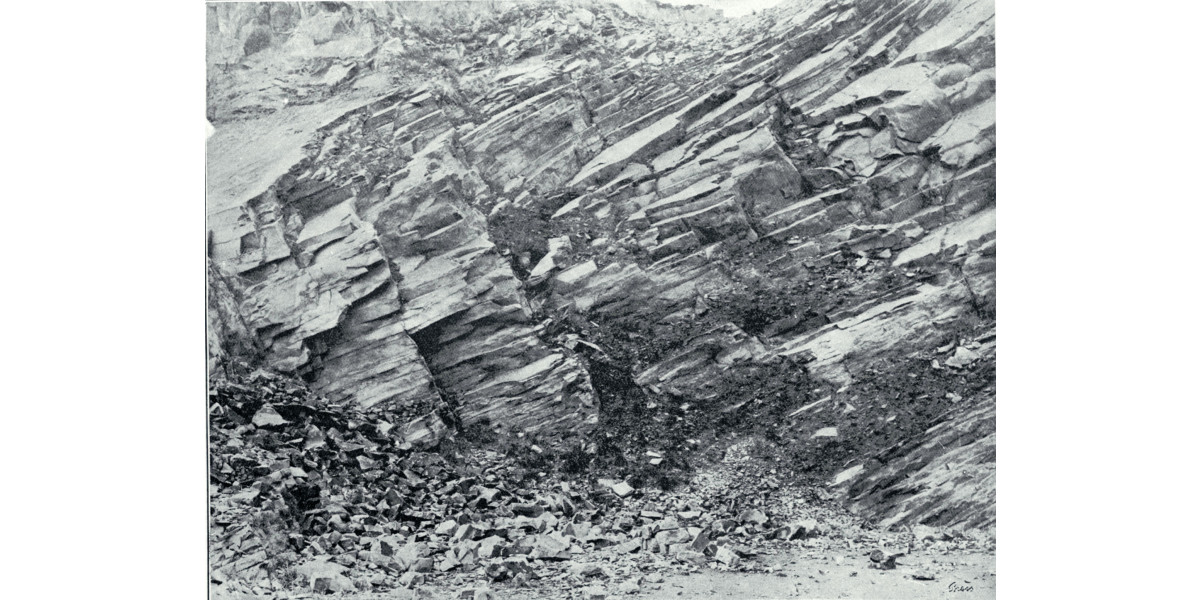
(796, 574)
(972, 575)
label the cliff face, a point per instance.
(482, 212)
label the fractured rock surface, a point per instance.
(408, 201)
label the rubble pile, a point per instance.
(296, 480)
(307, 495)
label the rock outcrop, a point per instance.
(810, 188)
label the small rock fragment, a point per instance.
(447, 527)
(587, 570)
(830, 432)
(411, 578)
(622, 489)
(728, 557)
(527, 510)
(962, 357)
(673, 536)
(268, 417)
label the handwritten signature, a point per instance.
(956, 587)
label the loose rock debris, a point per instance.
(308, 496)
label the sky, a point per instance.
(732, 8)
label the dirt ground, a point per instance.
(970, 575)
(967, 575)
(797, 574)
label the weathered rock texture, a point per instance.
(483, 171)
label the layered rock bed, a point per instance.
(599, 242)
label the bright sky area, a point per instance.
(732, 8)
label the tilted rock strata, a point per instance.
(862, 129)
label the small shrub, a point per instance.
(575, 461)
(522, 232)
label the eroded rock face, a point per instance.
(945, 479)
(389, 293)
(582, 162)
